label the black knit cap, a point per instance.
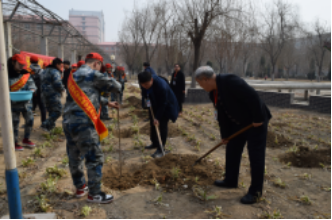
(66, 62)
(146, 64)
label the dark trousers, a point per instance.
(256, 139)
(163, 129)
(180, 101)
(37, 101)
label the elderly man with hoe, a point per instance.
(238, 105)
(83, 128)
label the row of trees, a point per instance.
(232, 36)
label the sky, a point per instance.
(115, 11)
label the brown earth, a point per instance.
(307, 158)
(161, 170)
(279, 143)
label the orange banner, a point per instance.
(20, 83)
(85, 104)
(43, 60)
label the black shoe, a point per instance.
(150, 147)
(222, 183)
(249, 199)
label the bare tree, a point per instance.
(149, 28)
(130, 40)
(316, 41)
(195, 17)
(278, 26)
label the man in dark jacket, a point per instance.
(237, 106)
(178, 85)
(157, 94)
(36, 73)
(66, 66)
(148, 68)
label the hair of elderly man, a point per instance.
(204, 72)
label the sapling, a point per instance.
(305, 200)
(65, 161)
(278, 182)
(50, 185)
(47, 144)
(202, 194)
(175, 173)
(159, 199)
(196, 179)
(28, 162)
(55, 171)
(85, 211)
(37, 152)
(276, 141)
(275, 215)
(217, 212)
(242, 185)
(306, 176)
(108, 159)
(42, 203)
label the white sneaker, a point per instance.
(101, 198)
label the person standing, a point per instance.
(83, 128)
(178, 85)
(66, 66)
(121, 77)
(52, 88)
(104, 115)
(36, 73)
(21, 80)
(157, 94)
(238, 105)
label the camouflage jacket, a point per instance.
(51, 84)
(93, 83)
(30, 85)
(36, 75)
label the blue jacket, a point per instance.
(238, 105)
(149, 69)
(163, 100)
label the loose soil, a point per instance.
(282, 141)
(307, 158)
(133, 101)
(173, 130)
(161, 170)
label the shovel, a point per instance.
(221, 143)
(158, 133)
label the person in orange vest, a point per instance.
(21, 80)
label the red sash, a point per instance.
(85, 104)
(20, 83)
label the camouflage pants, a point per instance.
(54, 112)
(104, 111)
(83, 143)
(28, 117)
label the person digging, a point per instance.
(238, 105)
(157, 94)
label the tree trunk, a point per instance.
(197, 48)
(272, 74)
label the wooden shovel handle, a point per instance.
(221, 143)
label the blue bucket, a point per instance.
(21, 96)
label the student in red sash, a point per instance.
(20, 80)
(83, 127)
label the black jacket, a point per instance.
(65, 77)
(163, 100)
(238, 104)
(180, 83)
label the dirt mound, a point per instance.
(307, 158)
(173, 130)
(277, 141)
(125, 133)
(161, 170)
(133, 89)
(133, 101)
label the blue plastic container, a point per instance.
(21, 96)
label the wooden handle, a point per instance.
(221, 143)
(158, 134)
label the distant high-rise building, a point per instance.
(90, 23)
